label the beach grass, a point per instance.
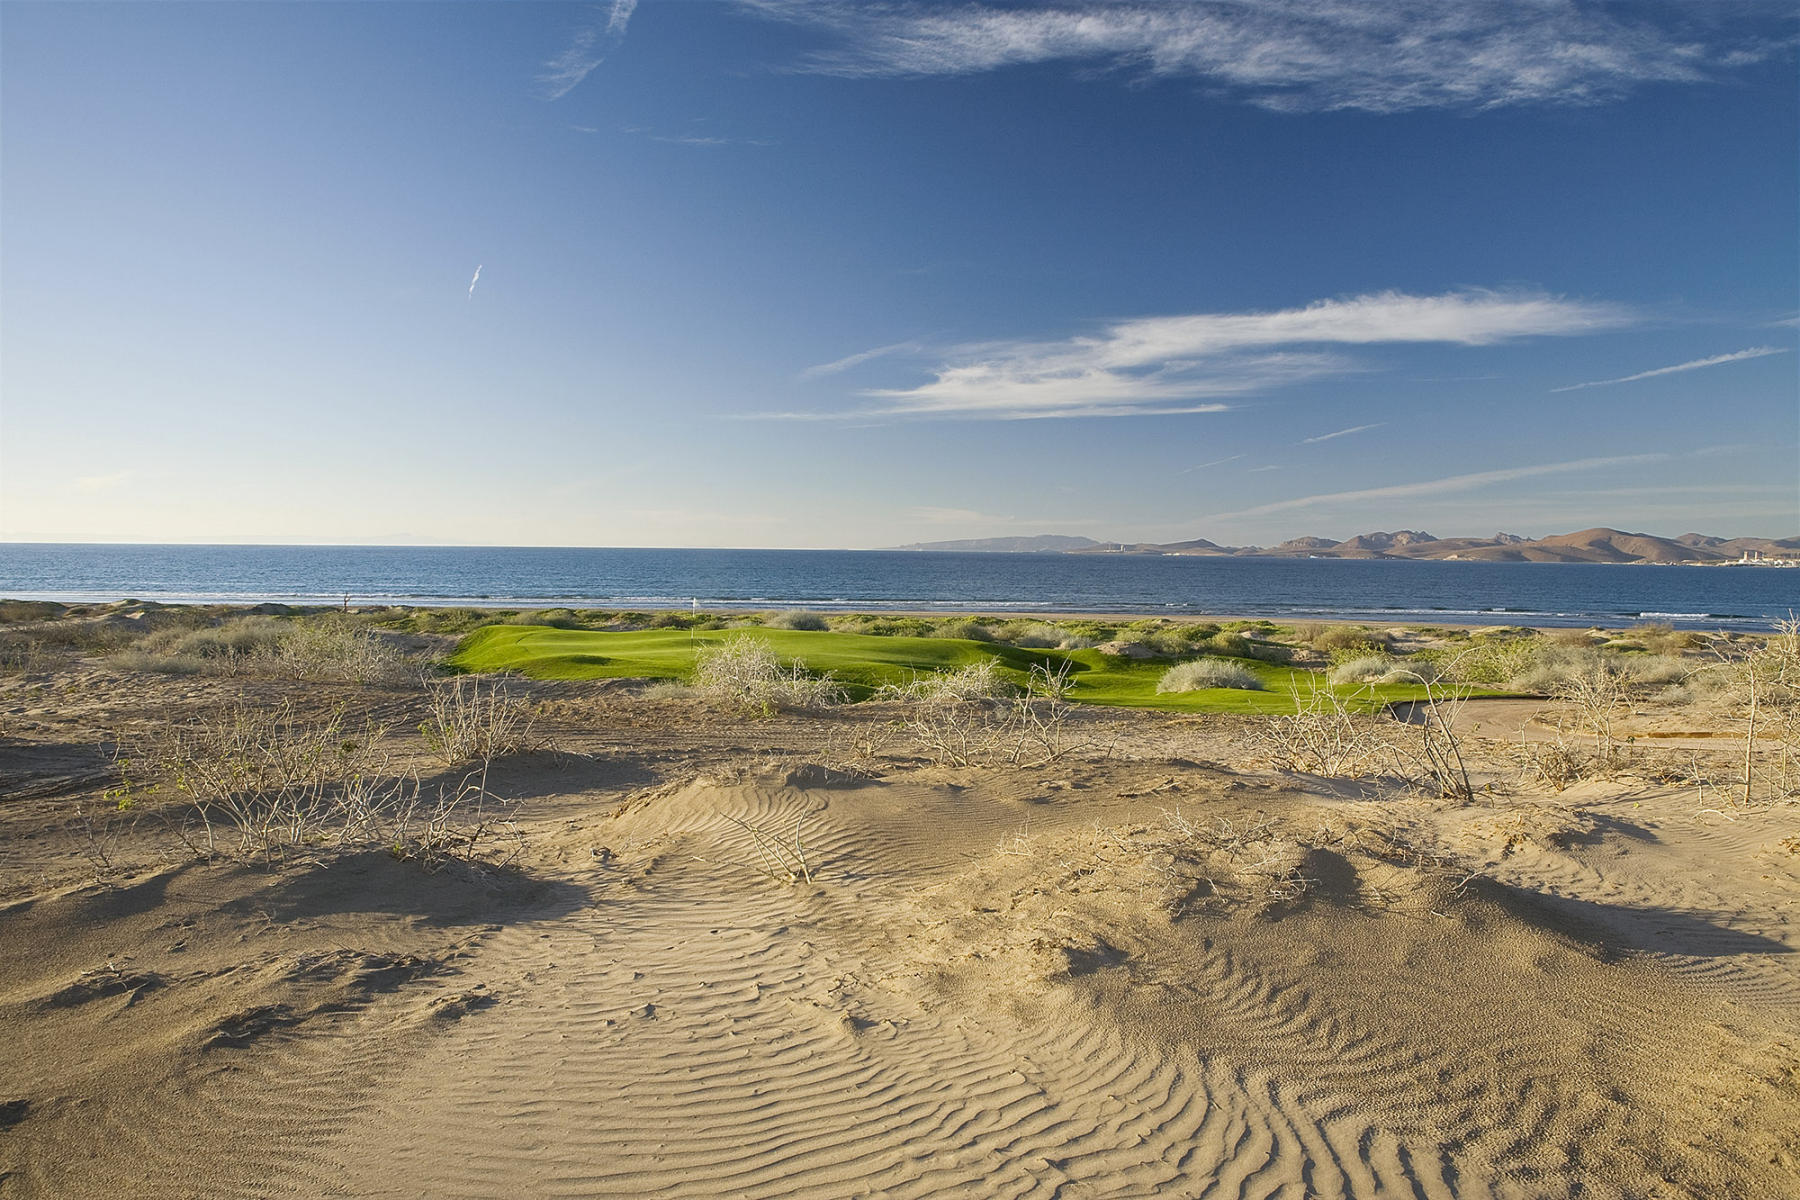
(863, 663)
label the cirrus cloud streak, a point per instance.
(1309, 55)
(1434, 487)
(1182, 364)
(1716, 360)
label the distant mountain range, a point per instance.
(1589, 546)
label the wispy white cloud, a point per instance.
(1697, 364)
(1309, 55)
(1326, 437)
(856, 360)
(587, 49)
(1217, 462)
(1259, 470)
(698, 139)
(1189, 364)
(1433, 487)
(473, 280)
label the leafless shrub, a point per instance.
(978, 680)
(475, 719)
(1325, 735)
(270, 786)
(1763, 690)
(1438, 747)
(964, 719)
(1600, 696)
(1555, 764)
(745, 672)
(337, 651)
(781, 858)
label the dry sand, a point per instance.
(1126, 974)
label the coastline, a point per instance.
(313, 605)
(899, 582)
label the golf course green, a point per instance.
(862, 663)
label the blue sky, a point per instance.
(773, 273)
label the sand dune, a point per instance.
(1123, 976)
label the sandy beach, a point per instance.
(1147, 964)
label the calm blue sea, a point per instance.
(1521, 593)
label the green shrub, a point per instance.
(1207, 673)
(1366, 669)
(967, 629)
(899, 627)
(1228, 644)
(797, 619)
(1270, 652)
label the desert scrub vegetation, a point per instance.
(1761, 687)
(779, 857)
(1327, 735)
(797, 619)
(1342, 642)
(275, 786)
(338, 651)
(979, 680)
(1544, 664)
(475, 718)
(1382, 668)
(974, 717)
(22, 654)
(320, 649)
(1208, 673)
(228, 648)
(745, 672)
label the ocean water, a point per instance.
(1446, 592)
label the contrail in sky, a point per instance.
(1697, 364)
(474, 281)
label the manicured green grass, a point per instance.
(863, 663)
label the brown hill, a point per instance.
(1612, 545)
(1597, 545)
